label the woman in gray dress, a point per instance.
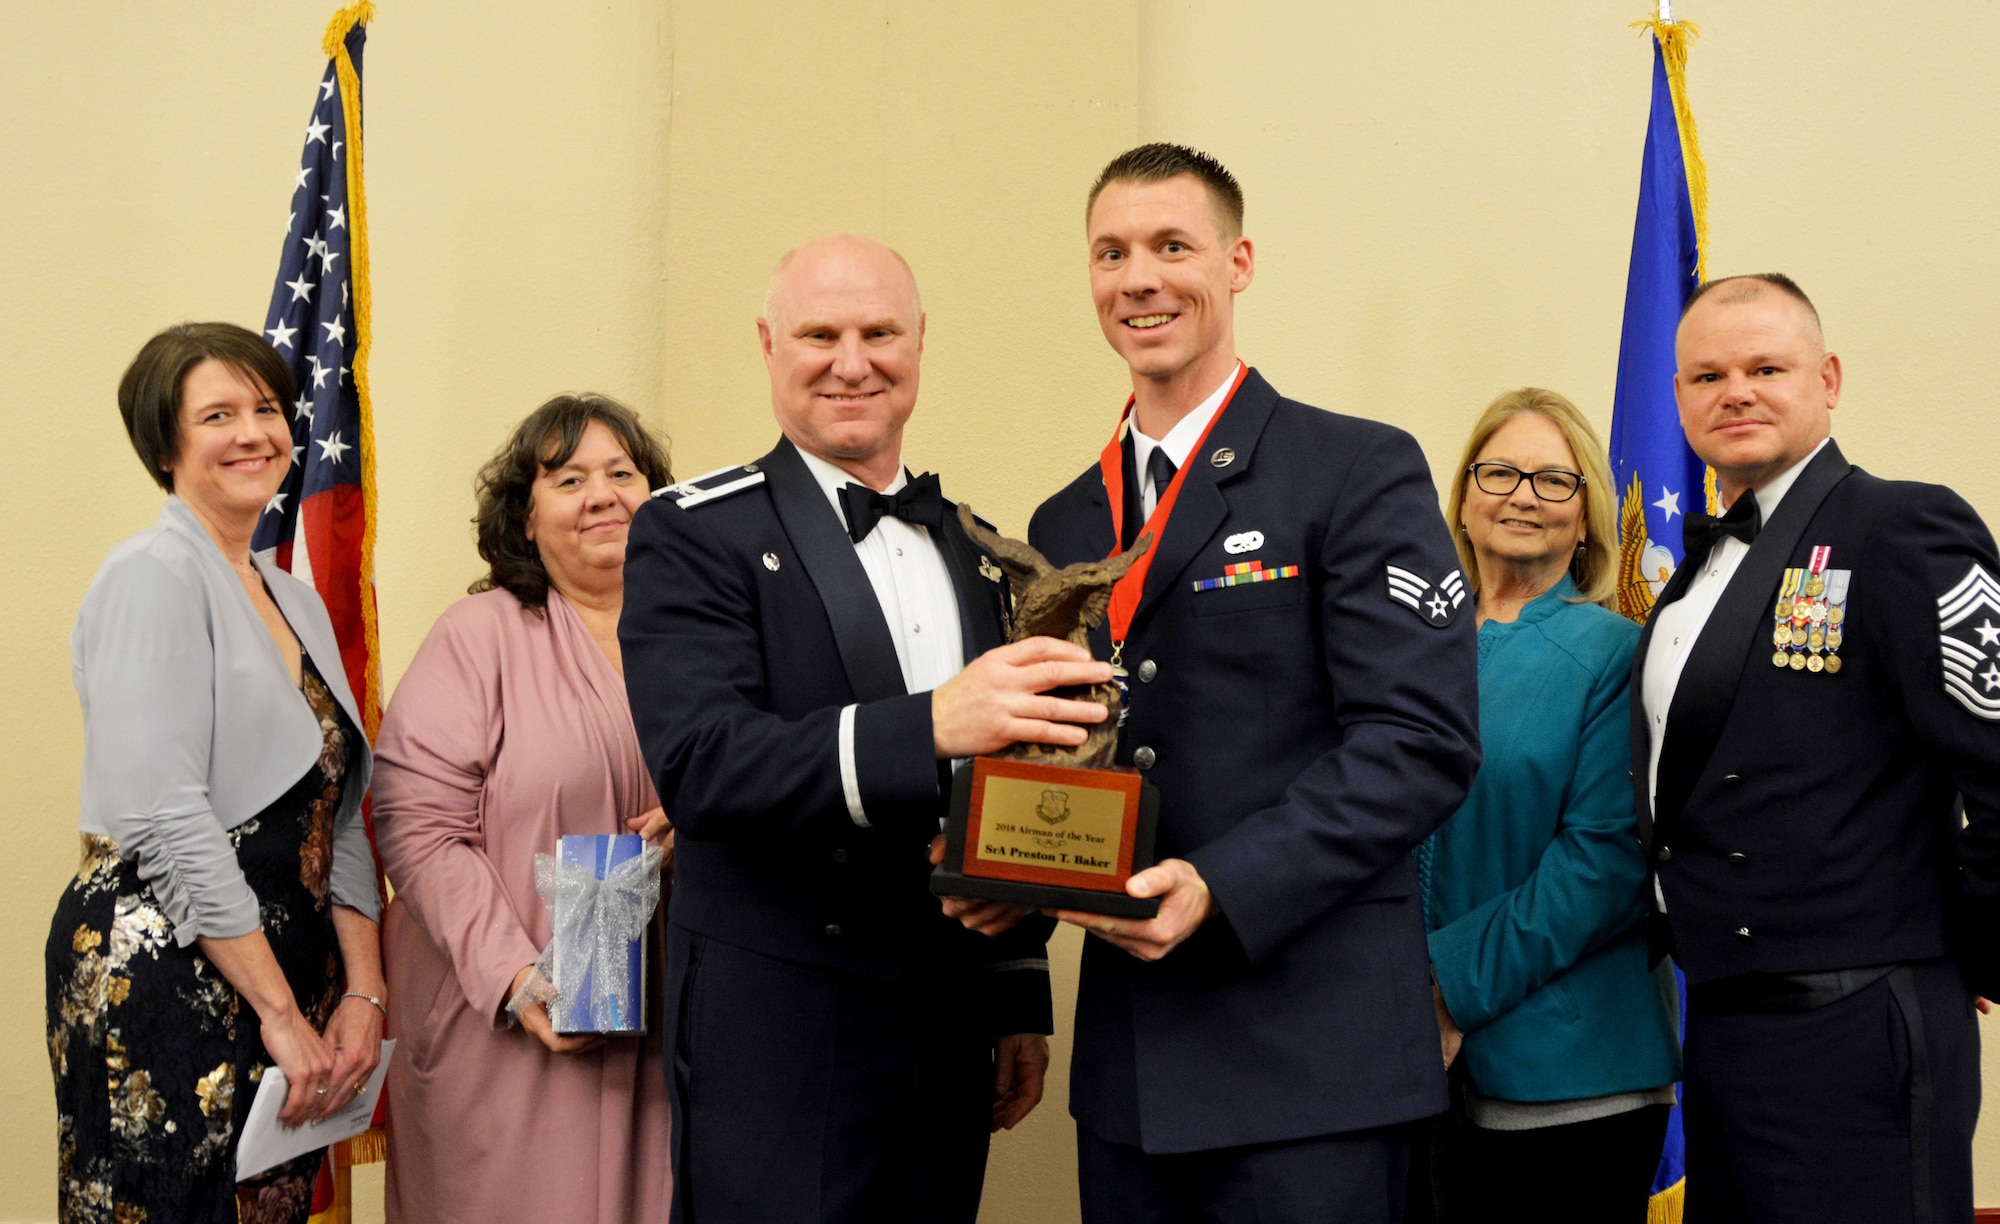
(223, 920)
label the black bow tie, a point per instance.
(1700, 533)
(918, 502)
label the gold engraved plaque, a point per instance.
(1071, 828)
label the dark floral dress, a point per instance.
(156, 1057)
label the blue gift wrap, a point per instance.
(602, 894)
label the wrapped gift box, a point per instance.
(601, 915)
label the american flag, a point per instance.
(320, 522)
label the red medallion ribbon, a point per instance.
(1125, 595)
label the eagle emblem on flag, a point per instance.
(1436, 605)
(1969, 638)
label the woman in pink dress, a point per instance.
(509, 729)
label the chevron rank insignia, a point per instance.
(712, 486)
(1969, 637)
(1436, 605)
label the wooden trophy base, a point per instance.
(1049, 836)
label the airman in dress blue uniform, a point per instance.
(1302, 672)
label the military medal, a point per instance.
(1815, 583)
(1814, 663)
(1837, 582)
(1781, 616)
(1798, 662)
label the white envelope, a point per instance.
(267, 1142)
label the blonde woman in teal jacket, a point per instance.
(1563, 1043)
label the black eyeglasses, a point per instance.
(1550, 484)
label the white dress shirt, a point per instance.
(1179, 440)
(913, 586)
(1677, 626)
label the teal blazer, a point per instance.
(1534, 889)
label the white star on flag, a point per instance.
(1669, 503)
(277, 502)
(319, 372)
(331, 449)
(301, 288)
(304, 406)
(298, 455)
(302, 175)
(281, 335)
(336, 218)
(336, 331)
(315, 130)
(326, 258)
(326, 88)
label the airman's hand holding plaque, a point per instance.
(1040, 825)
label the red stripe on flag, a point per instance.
(334, 522)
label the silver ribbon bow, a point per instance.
(595, 923)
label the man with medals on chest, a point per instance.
(1816, 722)
(1299, 653)
(807, 640)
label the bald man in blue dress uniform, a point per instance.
(807, 639)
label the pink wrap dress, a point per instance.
(508, 730)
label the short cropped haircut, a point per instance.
(1595, 566)
(1742, 292)
(1154, 163)
(505, 485)
(149, 395)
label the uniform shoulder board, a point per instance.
(712, 486)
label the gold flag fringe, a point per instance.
(368, 1147)
(1675, 37)
(1665, 1207)
(343, 21)
(335, 45)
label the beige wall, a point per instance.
(573, 197)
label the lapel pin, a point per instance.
(987, 569)
(1222, 457)
(771, 562)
